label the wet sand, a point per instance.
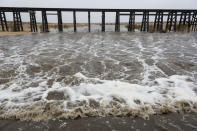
(169, 122)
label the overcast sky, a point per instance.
(128, 4)
(186, 4)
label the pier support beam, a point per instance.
(185, 19)
(89, 24)
(103, 21)
(171, 21)
(74, 21)
(131, 26)
(158, 23)
(17, 21)
(194, 22)
(33, 23)
(45, 27)
(59, 17)
(4, 25)
(117, 23)
(145, 21)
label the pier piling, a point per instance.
(45, 27)
(4, 25)
(194, 21)
(145, 21)
(74, 21)
(17, 21)
(103, 21)
(33, 23)
(117, 23)
(89, 24)
(59, 17)
(171, 21)
(158, 23)
(185, 19)
(189, 22)
(131, 26)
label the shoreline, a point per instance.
(14, 33)
(172, 121)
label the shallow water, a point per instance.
(170, 122)
(70, 75)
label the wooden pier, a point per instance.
(162, 19)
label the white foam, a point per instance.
(177, 88)
(172, 89)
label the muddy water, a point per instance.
(71, 75)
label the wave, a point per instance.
(96, 97)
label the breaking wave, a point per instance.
(95, 97)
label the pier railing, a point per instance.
(176, 18)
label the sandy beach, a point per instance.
(13, 33)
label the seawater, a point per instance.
(70, 75)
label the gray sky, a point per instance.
(186, 4)
(129, 4)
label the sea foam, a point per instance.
(95, 97)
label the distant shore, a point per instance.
(13, 33)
